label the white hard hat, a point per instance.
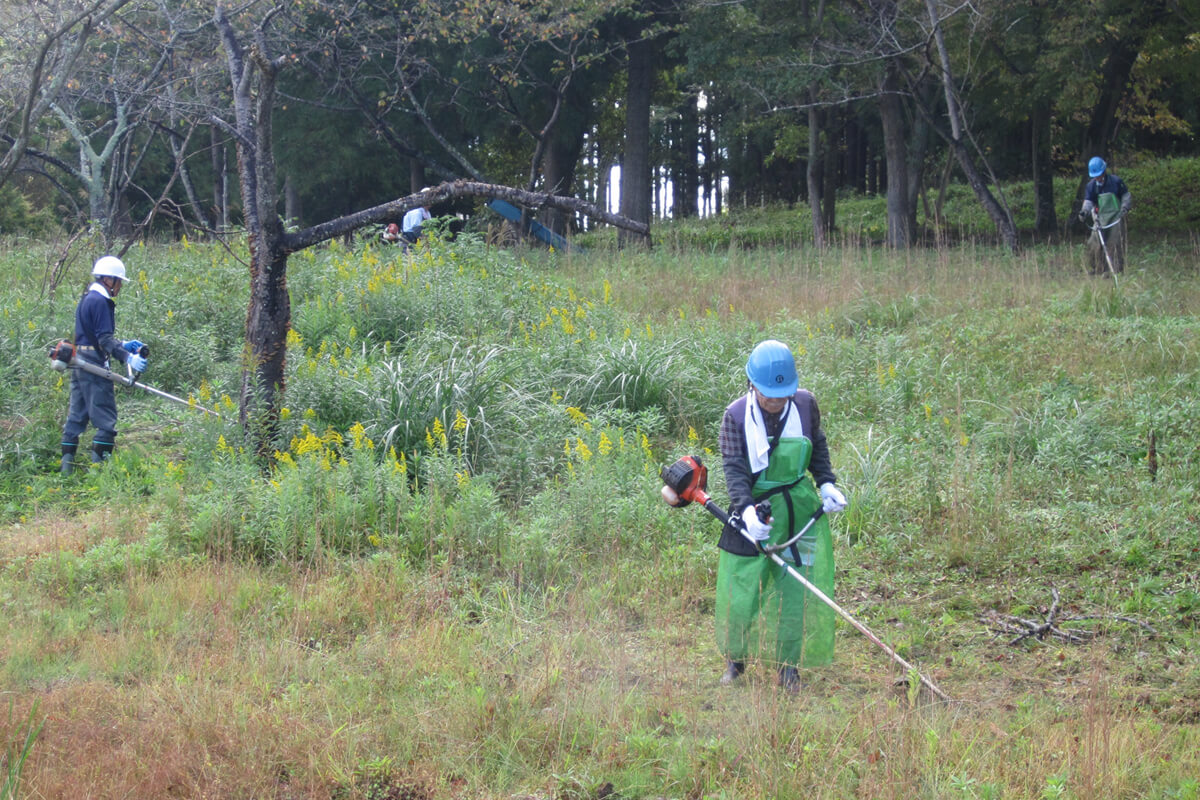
(110, 266)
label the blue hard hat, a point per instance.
(1096, 167)
(772, 369)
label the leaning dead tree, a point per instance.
(454, 190)
(1053, 626)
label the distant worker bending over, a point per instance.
(413, 222)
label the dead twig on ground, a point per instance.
(1051, 626)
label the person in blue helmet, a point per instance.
(92, 397)
(773, 448)
(1106, 201)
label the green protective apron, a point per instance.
(1108, 208)
(760, 609)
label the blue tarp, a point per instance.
(513, 214)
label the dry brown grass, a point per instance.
(227, 681)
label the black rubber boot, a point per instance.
(733, 671)
(789, 679)
(67, 465)
(101, 451)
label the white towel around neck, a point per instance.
(757, 445)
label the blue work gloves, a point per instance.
(133, 346)
(832, 499)
(755, 527)
(136, 363)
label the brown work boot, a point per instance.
(733, 671)
(789, 679)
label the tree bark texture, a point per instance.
(895, 145)
(1045, 218)
(635, 166)
(814, 174)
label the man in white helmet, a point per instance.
(92, 397)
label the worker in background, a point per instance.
(1106, 201)
(391, 234)
(771, 443)
(413, 222)
(92, 397)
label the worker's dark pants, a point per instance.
(1114, 242)
(92, 400)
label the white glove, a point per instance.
(831, 498)
(759, 531)
(136, 363)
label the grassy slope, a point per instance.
(988, 415)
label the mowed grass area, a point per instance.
(456, 578)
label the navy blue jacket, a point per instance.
(95, 326)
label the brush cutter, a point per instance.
(62, 357)
(686, 480)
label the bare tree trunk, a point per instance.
(220, 180)
(815, 174)
(1045, 219)
(829, 180)
(558, 170)
(635, 166)
(292, 213)
(895, 145)
(416, 175)
(686, 180)
(1004, 223)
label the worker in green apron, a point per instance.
(773, 448)
(1106, 202)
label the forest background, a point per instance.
(434, 563)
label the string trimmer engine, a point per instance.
(687, 478)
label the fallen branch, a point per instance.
(1051, 626)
